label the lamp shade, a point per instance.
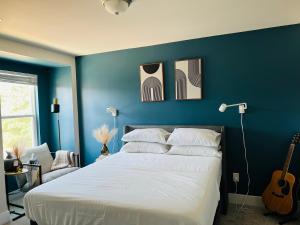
(55, 106)
(223, 107)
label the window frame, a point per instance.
(34, 105)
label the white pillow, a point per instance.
(43, 155)
(153, 135)
(194, 136)
(195, 151)
(144, 147)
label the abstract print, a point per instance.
(188, 79)
(152, 89)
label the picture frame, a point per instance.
(188, 79)
(152, 82)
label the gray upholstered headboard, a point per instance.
(220, 129)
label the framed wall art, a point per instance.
(152, 83)
(188, 79)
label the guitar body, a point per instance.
(281, 194)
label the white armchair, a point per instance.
(41, 172)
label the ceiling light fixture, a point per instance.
(116, 6)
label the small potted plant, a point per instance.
(18, 152)
(104, 136)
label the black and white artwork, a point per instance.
(152, 85)
(188, 79)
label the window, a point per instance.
(18, 109)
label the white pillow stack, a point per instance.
(149, 140)
(183, 141)
(193, 141)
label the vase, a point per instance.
(20, 167)
(9, 165)
(104, 150)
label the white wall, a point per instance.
(3, 207)
(31, 53)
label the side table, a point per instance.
(7, 174)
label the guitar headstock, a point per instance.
(296, 139)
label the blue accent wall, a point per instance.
(260, 67)
(61, 87)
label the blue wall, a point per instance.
(61, 87)
(259, 67)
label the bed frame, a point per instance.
(223, 203)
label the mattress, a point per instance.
(131, 189)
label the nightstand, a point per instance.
(7, 174)
(102, 157)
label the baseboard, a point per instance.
(5, 218)
(251, 200)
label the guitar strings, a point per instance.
(247, 165)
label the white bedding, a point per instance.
(131, 189)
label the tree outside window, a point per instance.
(18, 115)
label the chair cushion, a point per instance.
(57, 173)
(43, 155)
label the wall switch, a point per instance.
(236, 177)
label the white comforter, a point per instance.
(131, 189)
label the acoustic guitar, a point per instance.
(281, 194)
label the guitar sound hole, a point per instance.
(286, 189)
(281, 183)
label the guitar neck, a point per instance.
(288, 161)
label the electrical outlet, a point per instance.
(236, 177)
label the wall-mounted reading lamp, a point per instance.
(112, 110)
(242, 107)
(114, 113)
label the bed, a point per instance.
(136, 189)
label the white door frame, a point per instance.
(3, 206)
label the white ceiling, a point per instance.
(83, 27)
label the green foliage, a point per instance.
(16, 100)
(17, 132)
